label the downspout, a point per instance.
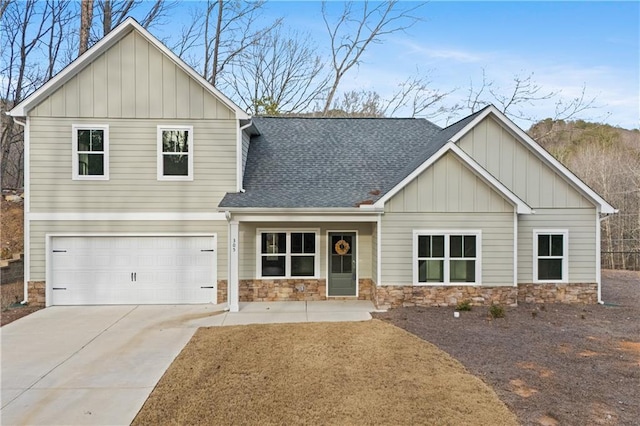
(23, 124)
(240, 172)
(599, 255)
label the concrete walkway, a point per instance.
(98, 364)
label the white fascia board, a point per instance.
(521, 206)
(100, 47)
(137, 216)
(541, 152)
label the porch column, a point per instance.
(233, 293)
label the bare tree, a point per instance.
(112, 13)
(228, 28)
(281, 74)
(414, 97)
(525, 91)
(357, 27)
(31, 36)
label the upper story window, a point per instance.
(550, 248)
(447, 257)
(90, 152)
(287, 254)
(175, 153)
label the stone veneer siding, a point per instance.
(582, 293)
(404, 296)
(222, 291)
(390, 296)
(37, 291)
(283, 290)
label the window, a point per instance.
(447, 258)
(550, 255)
(90, 152)
(175, 153)
(287, 254)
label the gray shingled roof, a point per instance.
(333, 162)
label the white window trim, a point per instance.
(565, 254)
(75, 173)
(447, 233)
(190, 153)
(288, 255)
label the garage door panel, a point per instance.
(133, 270)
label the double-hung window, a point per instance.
(175, 153)
(447, 257)
(90, 152)
(550, 248)
(287, 254)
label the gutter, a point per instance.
(311, 210)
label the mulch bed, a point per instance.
(551, 364)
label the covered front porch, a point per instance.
(301, 257)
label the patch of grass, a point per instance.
(465, 305)
(496, 311)
(366, 372)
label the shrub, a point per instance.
(465, 305)
(496, 311)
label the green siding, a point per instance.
(39, 229)
(497, 243)
(133, 184)
(519, 168)
(133, 79)
(582, 241)
(447, 186)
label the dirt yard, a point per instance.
(10, 308)
(11, 228)
(553, 364)
(329, 373)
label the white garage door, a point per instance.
(133, 270)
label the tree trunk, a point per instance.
(86, 18)
(107, 18)
(216, 44)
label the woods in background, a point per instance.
(269, 69)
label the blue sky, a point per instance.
(564, 44)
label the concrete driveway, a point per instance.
(91, 365)
(98, 364)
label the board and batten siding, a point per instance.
(39, 229)
(133, 79)
(447, 186)
(518, 168)
(497, 243)
(447, 196)
(374, 254)
(582, 241)
(133, 185)
(248, 249)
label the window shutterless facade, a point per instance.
(175, 153)
(287, 254)
(451, 257)
(90, 152)
(550, 251)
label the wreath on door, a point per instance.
(342, 247)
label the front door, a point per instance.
(342, 264)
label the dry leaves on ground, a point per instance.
(329, 373)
